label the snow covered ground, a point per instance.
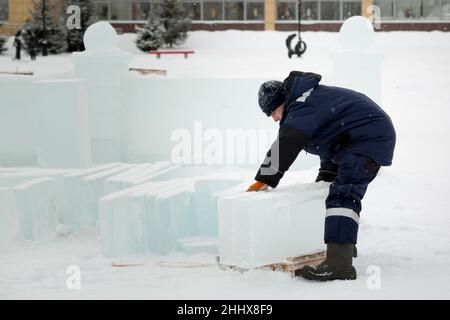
(405, 224)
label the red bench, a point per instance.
(159, 53)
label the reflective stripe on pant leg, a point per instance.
(341, 225)
(344, 212)
(344, 199)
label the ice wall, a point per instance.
(60, 123)
(201, 114)
(16, 141)
(261, 228)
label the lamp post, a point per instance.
(44, 32)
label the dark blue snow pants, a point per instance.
(344, 198)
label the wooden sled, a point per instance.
(292, 265)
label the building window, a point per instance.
(330, 10)
(255, 10)
(407, 9)
(350, 9)
(310, 10)
(234, 10)
(120, 10)
(286, 10)
(446, 9)
(102, 9)
(140, 10)
(431, 10)
(387, 11)
(4, 10)
(193, 9)
(212, 10)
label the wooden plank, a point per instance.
(25, 73)
(293, 265)
(318, 255)
(119, 265)
(149, 71)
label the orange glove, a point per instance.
(257, 186)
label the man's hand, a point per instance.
(257, 186)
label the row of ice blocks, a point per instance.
(260, 228)
(36, 200)
(28, 206)
(163, 216)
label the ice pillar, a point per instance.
(102, 65)
(356, 65)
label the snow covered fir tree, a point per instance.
(53, 36)
(75, 35)
(168, 25)
(3, 40)
(150, 36)
(175, 21)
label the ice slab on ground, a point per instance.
(36, 210)
(122, 230)
(91, 190)
(9, 224)
(11, 179)
(199, 244)
(139, 174)
(205, 195)
(259, 228)
(148, 218)
(70, 193)
(161, 216)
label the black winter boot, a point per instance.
(337, 265)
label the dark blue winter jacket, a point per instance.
(329, 122)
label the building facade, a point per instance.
(317, 15)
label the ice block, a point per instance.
(260, 228)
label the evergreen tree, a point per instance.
(176, 22)
(3, 40)
(55, 34)
(168, 25)
(150, 36)
(75, 36)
